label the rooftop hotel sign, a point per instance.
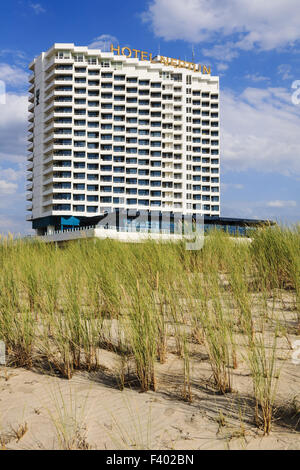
(142, 55)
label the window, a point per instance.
(105, 199)
(92, 166)
(106, 64)
(63, 55)
(131, 191)
(92, 198)
(79, 197)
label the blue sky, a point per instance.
(252, 45)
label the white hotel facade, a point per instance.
(109, 133)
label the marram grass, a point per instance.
(61, 306)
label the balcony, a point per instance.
(54, 60)
(51, 125)
(49, 191)
(57, 72)
(48, 181)
(57, 82)
(49, 106)
(57, 114)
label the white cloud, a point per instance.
(260, 131)
(7, 188)
(13, 52)
(13, 125)
(15, 111)
(13, 146)
(37, 8)
(11, 174)
(284, 71)
(282, 203)
(15, 225)
(255, 77)
(258, 24)
(103, 42)
(222, 67)
(261, 210)
(225, 52)
(12, 75)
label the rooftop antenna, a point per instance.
(193, 53)
(159, 49)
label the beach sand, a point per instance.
(40, 411)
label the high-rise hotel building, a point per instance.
(112, 131)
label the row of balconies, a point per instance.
(54, 61)
(76, 109)
(80, 205)
(50, 68)
(108, 117)
(176, 206)
(49, 199)
(54, 125)
(122, 131)
(102, 209)
(65, 77)
(51, 179)
(50, 190)
(55, 198)
(166, 183)
(152, 194)
(70, 96)
(56, 149)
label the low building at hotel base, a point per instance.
(120, 132)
